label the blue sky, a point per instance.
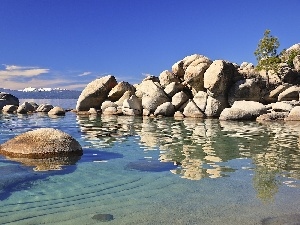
(69, 43)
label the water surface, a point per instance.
(155, 171)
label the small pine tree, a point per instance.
(266, 54)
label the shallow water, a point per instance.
(155, 171)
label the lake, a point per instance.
(137, 170)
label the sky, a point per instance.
(69, 43)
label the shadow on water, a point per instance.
(204, 148)
(21, 175)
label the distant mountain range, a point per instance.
(43, 93)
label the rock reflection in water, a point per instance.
(47, 164)
(274, 149)
(103, 131)
(203, 148)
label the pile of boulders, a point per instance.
(10, 104)
(195, 87)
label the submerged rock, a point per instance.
(103, 217)
(41, 143)
(293, 219)
(150, 166)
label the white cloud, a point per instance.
(84, 74)
(26, 71)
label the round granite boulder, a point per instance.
(41, 143)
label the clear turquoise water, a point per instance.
(155, 171)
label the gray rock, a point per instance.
(25, 107)
(93, 111)
(179, 99)
(132, 106)
(177, 69)
(288, 75)
(192, 110)
(292, 93)
(95, 93)
(215, 105)
(294, 114)
(282, 107)
(8, 99)
(111, 110)
(152, 78)
(165, 109)
(57, 111)
(201, 99)
(125, 96)
(272, 116)
(173, 88)
(166, 77)
(219, 77)
(296, 62)
(44, 108)
(255, 109)
(248, 89)
(152, 95)
(107, 104)
(178, 114)
(42, 142)
(274, 93)
(118, 91)
(10, 108)
(235, 114)
(194, 74)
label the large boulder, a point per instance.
(125, 96)
(179, 99)
(253, 108)
(165, 109)
(25, 107)
(44, 108)
(247, 69)
(194, 74)
(248, 89)
(272, 116)
(173, 88)
(294, 114)
(243, 110)
(95, 93)
(296, 62)
(192, 110)
(288, 75)
(180, 67)
(118, 91)
(201, 99)
(41, 143)
(8, 99)
(215, 105)
(282, 107)
(152, 95)
(292, 93)
(235, 114)
(107, 104)
(57, 111)
(274, 93)
(10, 108)
(219, 77)
(132, 106)
(166, 77)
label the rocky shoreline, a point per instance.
(195, 87)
